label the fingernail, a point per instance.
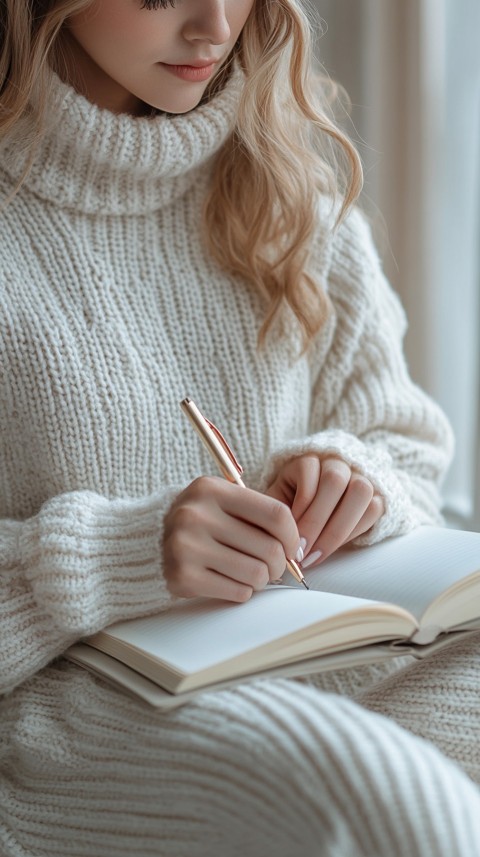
(301, 550)
(311, 559)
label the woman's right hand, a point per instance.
(225, 541)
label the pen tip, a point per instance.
(305, 584)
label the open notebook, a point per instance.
(411, 594)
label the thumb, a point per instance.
(277, 491)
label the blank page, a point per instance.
(408, 570)
(201, 633)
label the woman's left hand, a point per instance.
(331, 503)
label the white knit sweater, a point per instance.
(111, 311)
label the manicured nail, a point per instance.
(301, 550)
(311, 559)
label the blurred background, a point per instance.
(412, 71)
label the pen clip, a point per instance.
(218, 434)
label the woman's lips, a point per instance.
(190, 72)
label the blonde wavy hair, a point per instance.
(261, 213)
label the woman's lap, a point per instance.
(87, 770)
(437, 699)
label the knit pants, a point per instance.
(270, 768)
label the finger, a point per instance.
(207, 583)
(374, 512)
(346, 516)
(241, 567)
(252, 542)
(243, 503)
(334, 479)
(233, 565)
(307, 473)
(266, 513)
(297, 484)
(281, 489)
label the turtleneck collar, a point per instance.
(95, 161)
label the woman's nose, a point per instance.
(208, 23)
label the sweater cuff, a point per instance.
(373, 463)
(91, 561)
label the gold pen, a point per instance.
(228, 465)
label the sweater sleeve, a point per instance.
(365, 408)
(81, 563)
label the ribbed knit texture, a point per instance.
(270, 768)
(111, 311)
